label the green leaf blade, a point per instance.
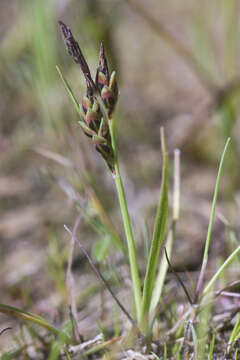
(158, 236)
(69, 91)
(33, 318)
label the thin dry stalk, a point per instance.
(70, 283)
(179, 279)
(5, 329)
(100, 276)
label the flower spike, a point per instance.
(93, 123)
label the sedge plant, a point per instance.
(97, 122)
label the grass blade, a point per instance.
(158, 235)
(234, 334)
(195, 341)
(210, 225)
(163, 267)
(69, 90)
(211, 347)
(36, 319)
(220, 270)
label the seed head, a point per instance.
(93, 123)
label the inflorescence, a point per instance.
(98, 105)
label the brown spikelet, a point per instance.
(74, 50)
(103, 66)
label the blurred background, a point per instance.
(178, 66)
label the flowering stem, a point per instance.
(125, 214)
(104, 87)
(127, 227)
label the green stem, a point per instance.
(127, 228)
(125, 215)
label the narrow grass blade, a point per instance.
(211, 347)
(36, 319)
(67, 354)
(210, 225)
(234, 335)
(204, 329)
(116, 322)
(146, 238)
(220, 271)
(165, 351)
(195, 341)
(56, 347)
(158, 235)
(69, 90)
(163, 267)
